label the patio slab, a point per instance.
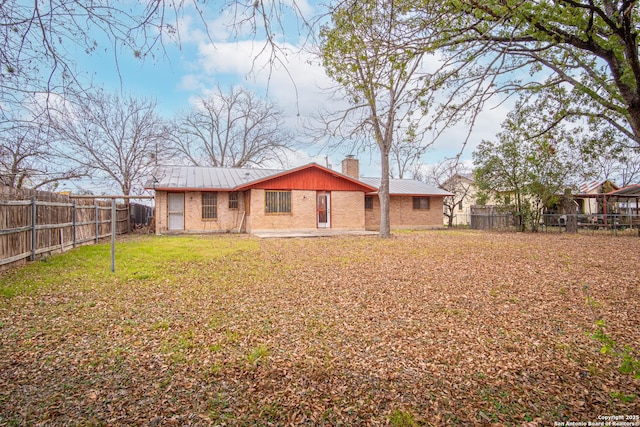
(312, 233)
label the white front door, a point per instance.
(323, 209)
(175, 204)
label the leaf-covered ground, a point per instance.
(432, 328)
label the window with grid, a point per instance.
(278, 202)
(233, 200)
(420, 203)
(368, 202)
(209, 205)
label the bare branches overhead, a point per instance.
(119, 139)
(235, 128)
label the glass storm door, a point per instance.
(175, 204)
(324, 214)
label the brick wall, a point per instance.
(161, 212)
(302, 216)
(227, 220)
(402, 214)
(372, 216)
(347, 211)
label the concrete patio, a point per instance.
(311, 233)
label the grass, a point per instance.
(402, 418)
(258, 355)
(145, 259)
(425, 328)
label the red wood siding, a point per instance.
(311, 179)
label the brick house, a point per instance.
(310, 197)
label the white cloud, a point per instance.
(296, 81)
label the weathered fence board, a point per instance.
(34, 223)
(491, 218)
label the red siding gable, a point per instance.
(310, 177)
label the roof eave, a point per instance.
(253, 184)
(375, 193)
(190, 189)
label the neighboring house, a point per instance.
(458, 206)
(207, 199)
(629, 200)
(590, 197)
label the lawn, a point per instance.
(428, 328)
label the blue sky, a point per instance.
(200, 62)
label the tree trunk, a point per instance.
(450, 217)
(383, 195)
(569, 209)
(521, 226)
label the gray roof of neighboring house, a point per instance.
(631, 191)
(407, 187)
(198, 177)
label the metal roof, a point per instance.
(595, 186)
(198, 177)
(210, 178)
(400, 187)
(630, 191)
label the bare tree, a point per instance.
(233, 129)
(406, 151)
(26, 158)
(604, 158)
(630, 167)
(117, 139)
(374, 50)
(41, 41)
(453, 176)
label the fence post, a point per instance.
(95, 204)
(75, 220)
(113, 235)
(33, 228)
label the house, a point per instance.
(310, 197)
(457, 208)
(590, 197)
(629, 200)
(412, 205)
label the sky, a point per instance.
(298, 86)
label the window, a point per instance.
(368, 202)
(209, 205)
(420, 203)
(233, 200)
(278, 201)
(460, 205)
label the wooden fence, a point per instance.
(491, 218)
(37, 223)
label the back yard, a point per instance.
(430, 328)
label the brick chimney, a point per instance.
(351, 167)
